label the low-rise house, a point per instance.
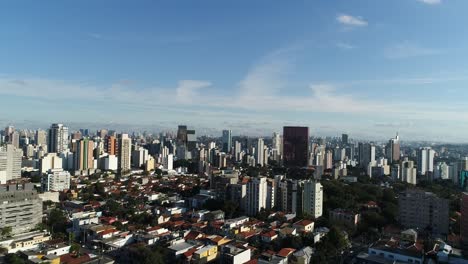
(180, 248)
(319, 233)
(205, 254)
(233, 254)
(302, 256)
(288, 231)
(345, 217)
(397, 250)
(268, 236)
(26, 241)
(304, 226)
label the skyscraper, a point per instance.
(111, 145)
(366, 154)
(408, 171)
(344, 140)
(41, 137)
(182, 134)
(20, 207)
(15, 139)
(237, 150)
(57, 138)
(423, 210)
(259, 152)
(227, 141)
(256, 197)
(393, 149)
(425, 160)
(84, 154)
(10, 163)
(295, 146)
(464, 219)
(125, 153)
(313, 198)
(191, 140)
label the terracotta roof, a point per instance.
(269, 234)
(190, 252)
(304, 223)
(192, 235)
(285, 252)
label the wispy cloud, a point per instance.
(430, 2)
(187, 90)
(408, 49)
(352, 21)
(345, 46)
(95, 35)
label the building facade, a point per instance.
(295, 146)
(20, 207)
(424, 210)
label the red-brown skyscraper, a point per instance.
(464, 219)
(295, 146)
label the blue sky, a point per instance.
(365, 67)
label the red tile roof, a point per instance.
(285, 252)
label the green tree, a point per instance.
(6, 231)
(14, 259)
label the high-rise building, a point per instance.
(425, 160)
(15, 139)
(408, 171)
(464, 219)
(313, 198)
(102, 133)
(366, 154)
(227, 141)
(57, 138)
(10, 163)
(295, 146)
(125, 152)
(111, 145)
(191, 140)
(276, 143)
(289, 196)
(51, 161)
(84, 158)
(259, 152)
(256, 198)
(424, 210)
(41, 137)
(56, 180)
(139, 157)
(237, 150)
(328, 160)
(344, 140)
(393, 149)
(20, 207)
(182, 134)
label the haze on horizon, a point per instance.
(367, 68)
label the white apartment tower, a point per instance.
(313, 198)
(125, 153)
(57, 180)
(10, 163)
(259, 152)
(256, 199)
(425, 160)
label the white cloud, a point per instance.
(408, 49)
(187, 90)
(266, 76)
(345, 46)
(430, 2)
(354, 21)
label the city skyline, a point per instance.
(360, 67)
